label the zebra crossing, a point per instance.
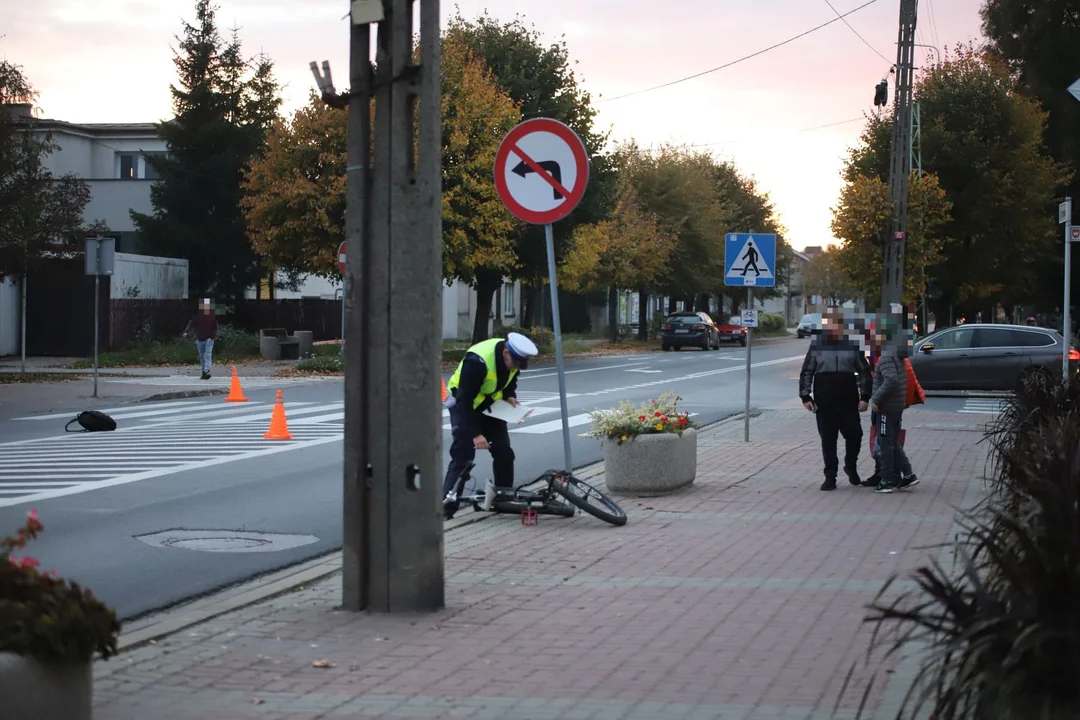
(221, 380)
(983, 406)
(44, 468)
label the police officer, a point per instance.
(487, 373)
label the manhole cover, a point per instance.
(227, 541)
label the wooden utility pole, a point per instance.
(392, 553)
(900, 156)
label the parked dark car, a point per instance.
(988, 356)
(732, 330)
(810, 324)
(689, 329)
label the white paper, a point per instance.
(502, 410)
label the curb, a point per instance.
(178, 394)
(169, 621)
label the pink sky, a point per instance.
(110, 61)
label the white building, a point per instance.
(111, 158)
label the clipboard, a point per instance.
(502, 410)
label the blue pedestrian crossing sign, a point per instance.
(750, 260)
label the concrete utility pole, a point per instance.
(393, 527)
(900, 156)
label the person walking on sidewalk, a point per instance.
(835, 385)
(205, 326)
(887, 402)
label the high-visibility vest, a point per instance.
(490, 388)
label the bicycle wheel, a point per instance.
(579, 494)
(552, 506)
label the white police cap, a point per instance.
(521, 346)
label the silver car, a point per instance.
(987, 357)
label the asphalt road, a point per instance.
(203, 465)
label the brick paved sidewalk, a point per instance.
(741, 598)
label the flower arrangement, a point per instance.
(49, 619)
(628, 420)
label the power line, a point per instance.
(739, 60)
(793, 132)
(852, 29)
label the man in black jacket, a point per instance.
(835, 385)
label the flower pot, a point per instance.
(651, 464)
(31, 689)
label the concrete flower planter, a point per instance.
(651, 464)
(31, 689)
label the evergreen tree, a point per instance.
(223, 105)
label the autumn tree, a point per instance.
(982, 139)
(825, 275)
(863, 216)
(224, 106)
(540, 79)
(37, 208)
(294, 195)
(628, 251)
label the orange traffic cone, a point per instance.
(444, 393)
(279, 429)
(235, 393)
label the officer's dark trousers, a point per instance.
(834, 420)
(462, 450)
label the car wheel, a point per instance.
(742, 343)
(799, 334)
(665, 347)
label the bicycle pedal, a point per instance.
(529, 517)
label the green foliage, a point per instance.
(321, 364)
(1002, 625)
(36, 207)
(771, 323)
(224, 106)
(628, 420)
(232, 345)
(54, 621)
(543, 337)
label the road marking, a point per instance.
(91, 460)
(523, 376)
(264, 415)
(982, 406)
(109, 411)
(693, 376)
(643, 370)
(551, 426)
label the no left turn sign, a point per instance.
(541, 171)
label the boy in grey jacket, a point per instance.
(887, 403)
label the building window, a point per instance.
(508, 300)
(129, 166)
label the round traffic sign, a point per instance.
(341, 258)
(541, 171)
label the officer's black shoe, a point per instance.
(449, 509)
(829, 484)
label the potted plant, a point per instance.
(649, 449)
(50, 631)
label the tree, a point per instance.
(864, 213)
(1037, 40)
(37, 208)
(224, 106)
(294, 195)
(541, 80)
(982, 139)
(825, 275)
(627, 251)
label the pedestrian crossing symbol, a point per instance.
(749, 259)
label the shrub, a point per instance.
(1003, 629)
(542, 336)
(52, 620)
(321, 364)
(652, 417)
(771, 322)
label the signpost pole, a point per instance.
(749, 347)
(97, 312)
(344, 291)
(550, 238)
(1065, 216)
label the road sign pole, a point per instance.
(749, 347)
(550, 238)
(97, 323)
(344, 292)
(1065, 214)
